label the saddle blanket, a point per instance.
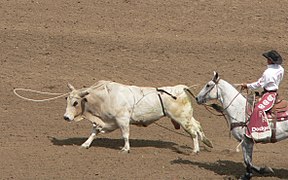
(258, 127)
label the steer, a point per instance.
(110, 105)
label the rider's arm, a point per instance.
(258, 84)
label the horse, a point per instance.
(233, 106)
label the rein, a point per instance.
(221, 110)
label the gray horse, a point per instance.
(233, 107)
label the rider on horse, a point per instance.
(270, 81)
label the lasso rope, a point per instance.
(57, 95)
(171, 130)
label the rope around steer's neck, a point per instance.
(57, 95)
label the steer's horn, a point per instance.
(83, 93)
(70, 87)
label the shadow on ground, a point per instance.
(114, 143)
(230, 169)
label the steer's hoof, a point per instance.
(246, 176)
(196, 152)
(84, 147)
(125, 151)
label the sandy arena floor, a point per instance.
(46, 44)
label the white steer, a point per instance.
(109, 106)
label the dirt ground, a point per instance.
(45, 44)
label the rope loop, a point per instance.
(57, 95)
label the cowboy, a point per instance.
(270, 82)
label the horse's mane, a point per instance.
(232, 87)
(249, 98)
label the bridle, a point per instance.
(222, 110)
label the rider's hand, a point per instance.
(244, 86)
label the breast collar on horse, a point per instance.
(221, 110)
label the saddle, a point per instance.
(279, 111)
(265, 130)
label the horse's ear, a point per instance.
(70, 87)
(216, 77)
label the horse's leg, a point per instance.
(247, 149)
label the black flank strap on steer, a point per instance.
(161, 101)
(162, 105)
(163, 91)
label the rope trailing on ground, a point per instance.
(168, 129)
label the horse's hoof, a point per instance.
(266, 170)
(246, 176)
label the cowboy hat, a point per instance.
(274, 56)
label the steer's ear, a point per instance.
(83, 94)
(215, 77)
(70, 87)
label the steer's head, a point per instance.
(75, 103)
